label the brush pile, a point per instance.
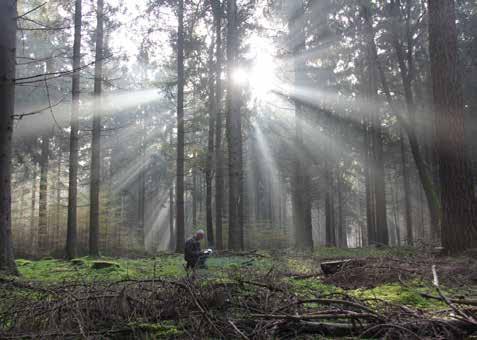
(245, 306)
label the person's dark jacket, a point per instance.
(192, 250)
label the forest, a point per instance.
(325, 151)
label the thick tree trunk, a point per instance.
(194, 194)
(368, 174)
(234, 133)
(171, 218)
(219, 154)
(141, 203)
(210, 152)
(457, 196)
(96, 140)
(329, 207)
(377, 180)
(33, 208)
(43, 201)
(301, 182)
(8, 29)
(180, 218)
(21, 218)
(58, 202)
(71, 235)
(407, 191)
(342, 234)
(379, 186)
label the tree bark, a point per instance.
(457, 194)
(180, 220)
(210, 152)
(58, 202)
(342, 234)
(377, 180)
(329, 207)
(407, 191)
(141, 195)
(219, 153)
(171, 218)
(234, 132)
(33, 207)
(301, 198)
(43, 201)
(71, 235)
(8, 29)
(96, 140)
(194, 194)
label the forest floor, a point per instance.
(377, 293)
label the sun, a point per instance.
(261, 74)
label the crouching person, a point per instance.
(194, 257)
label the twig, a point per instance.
(239, 332)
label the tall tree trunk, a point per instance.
(301, 197)
(43, 202)
(171, 218)
(380, 186)
(370, 231)
(96, 140)
(210, 151)
(329, 207)
(195, 194)
(407, 191)
(369, 187)
(33, 207)
(342, 234)
(234, 132)
(71, 234)
(8, 29)
(24, 192)
(219, 154)
(180, 221)
(140, 232)
(375, 137)
(58, 202)
(457, 194)
(141, 194)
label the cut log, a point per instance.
(332, 267)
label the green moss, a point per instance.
(23, 262)
(157, 330)
(226, 270)
(398, 294)
(312, 287)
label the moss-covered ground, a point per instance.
(298, 272)
(223, 268)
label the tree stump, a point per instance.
(332, 267)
